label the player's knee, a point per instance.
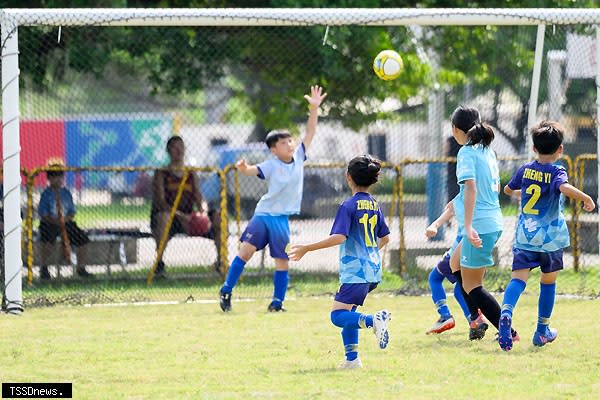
(336, 318)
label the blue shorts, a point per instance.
(473, 257)
(548, 262)
(271, 230)
(444, 265)
(354, 293)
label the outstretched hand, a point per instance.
(588, 204)
(296, 252)
(431, 231)
(241, 165)
(316, 96)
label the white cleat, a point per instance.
(354, 364)
(380, 327)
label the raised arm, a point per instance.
(314, 101)
(573, 193)
(297, 251)
(248, 170)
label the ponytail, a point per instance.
(480, 133)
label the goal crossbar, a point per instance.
(300, 17)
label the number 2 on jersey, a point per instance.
(535, 191)
(369, 225)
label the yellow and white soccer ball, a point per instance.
(388, 65)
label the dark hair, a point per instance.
(364, 170)
(547, 136)
(172, 140)
(480, 134)
(465, 117)
(274, 136)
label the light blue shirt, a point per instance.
(479, 163)
(285, 181)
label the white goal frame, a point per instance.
(11, 19)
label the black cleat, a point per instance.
(477, 329)
(276, 307)
(225, 301)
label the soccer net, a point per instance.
(101, 91)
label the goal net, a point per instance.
(97, 94)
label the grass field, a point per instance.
(193, 351)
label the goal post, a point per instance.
(12, 19)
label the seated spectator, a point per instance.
(57, 213)
(165, 185)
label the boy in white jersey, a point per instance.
(269, 225)
(542, 232)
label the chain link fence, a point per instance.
(105, 100)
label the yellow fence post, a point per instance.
(29, 224)
(400, 186)
(167, 230)
(224, 222)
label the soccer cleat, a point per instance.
(225, 301)
(161, 270)
(477, 328)
(505, 338)
(354, 364)
(380, 327)
(83, 273)
(441, 325)
(548, 337)
(276, 306)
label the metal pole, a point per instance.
(12, 168)
(535, 88)
(598, 124)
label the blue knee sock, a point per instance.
(350, 339)
(280, 283)
(511, 295)
(351, 319)
(545, 306)
(438, 295)
(234, 273)
(461, 301)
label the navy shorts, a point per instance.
(271, 230)
(354, 293)
(548, 262)
(444, 268)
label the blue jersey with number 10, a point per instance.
(360, 219)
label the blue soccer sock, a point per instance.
(458, 295)
(233, 275)
(438, 295)
(350, 339)
(351, 319)
(280, 283)
(511, 295)
(545, 305)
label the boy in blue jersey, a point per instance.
(542, 232)
(360, 230)
(269, 225)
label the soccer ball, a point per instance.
(387, 65)
(199, 224)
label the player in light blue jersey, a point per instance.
(360, 230)
(542, 232)
(478, 209)
(269, 225)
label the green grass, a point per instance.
(193, 351)
(88, 216)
